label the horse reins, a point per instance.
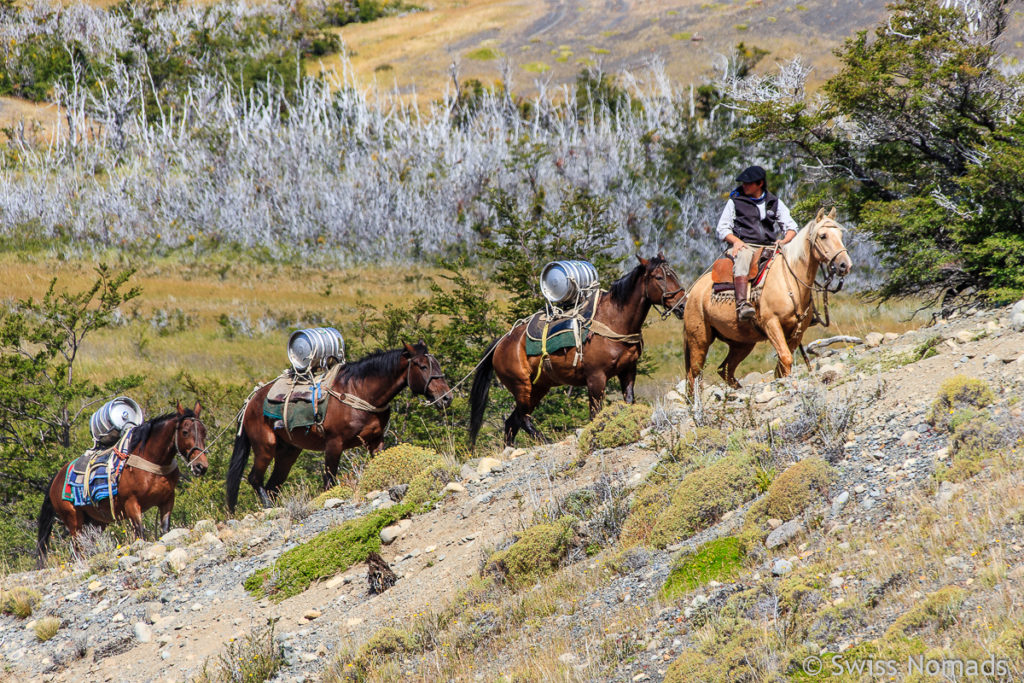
(815, 287)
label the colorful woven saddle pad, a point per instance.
(299, 402)
(93, 477)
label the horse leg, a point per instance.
(773, 330)
(539, 392)
(133, 511)
(512, 425)
(737, 352)
(595, 386)
(263, 455)
(627, 378)
(283, 461)
(697, 344)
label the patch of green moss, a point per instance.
(428, 483)
(324, 555)
(938, 610)
(538, 552)
(703, 496)
(718, 560)
(397, 465)
(617, 425)
(341, 491)
(795, 489)
(484, 54)
(959, 392)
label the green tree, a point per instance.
(898, 135)
(43, 395)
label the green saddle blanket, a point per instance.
(298, 413)
(561, 334)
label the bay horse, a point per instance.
(784, 308)
(612, 350)
(373, 381)
(143, 485)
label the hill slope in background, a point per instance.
(551, 40)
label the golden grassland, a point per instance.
(248, 293)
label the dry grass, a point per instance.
(46, 628)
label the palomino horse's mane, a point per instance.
(139, 435)
(624, 286)
(797, 250)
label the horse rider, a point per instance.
(752, 217)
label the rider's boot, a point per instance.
(744, 311)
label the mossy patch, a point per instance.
(341, 491)
(484, 54)
(539, 551)
(324, 555)
(718, 560)
(938, 610)
(397, 465)
(617, 425)
(702, 497)
(957, 392)
(795, 489)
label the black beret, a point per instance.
(752, 175)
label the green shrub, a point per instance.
(429, 483)
(939, 610)
(975, 438)
(723, 656)
(956, 393)
(718, 560)
(341, 491)
(617, 425)
(796, 488)
(703, 496)
(324, 555)
(258, 657)
(386, 641)
(397, 465)
(538, 552)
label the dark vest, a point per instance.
(748, 225)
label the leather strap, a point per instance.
(599, 328)
(146, 466)
(355, 402)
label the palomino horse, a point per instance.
(357, 415)
(784, 308)
(611, 350)
(142, 485)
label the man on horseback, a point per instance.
(752, 217)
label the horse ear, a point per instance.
(832, 213)
(181, 411)
(642, 260)
(821, 214)
(661, 255)
(422, 342)
(197, 409)
(409, 350)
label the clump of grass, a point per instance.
(46, 628)
(617, 425)
(397, 465)
(428, 483)
(484, 54)
(325, 555)
(718, 560)
(722, 655)
(939, 610)
(257, 658)
(20, 602)
(341, 491)
(796, 488)
(538, 551)
(536, 67)
(956, 393)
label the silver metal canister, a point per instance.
(562, 281)
(108, 423)
(312, 348)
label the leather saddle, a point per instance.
(721, 270)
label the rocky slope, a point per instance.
(903, 550)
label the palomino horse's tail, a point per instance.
(239, 459)
(47, 514)
(478, 394)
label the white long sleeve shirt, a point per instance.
(729, 215)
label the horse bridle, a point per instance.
(195, 440)
(435, 373)
(666, 270)
(828, 268)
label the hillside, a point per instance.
(910, 545)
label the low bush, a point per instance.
(537, 552)
(429, 482)
(956, 393)
(938, 610)
(617, 425)
(397, 465)
(258, 657)
(341, 491)
(795, 489)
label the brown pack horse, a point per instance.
(784, 308)
(612, 352)
(158, 442)
(375, 380)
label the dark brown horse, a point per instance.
(143, 484)
(611, 350)
(375, 380)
